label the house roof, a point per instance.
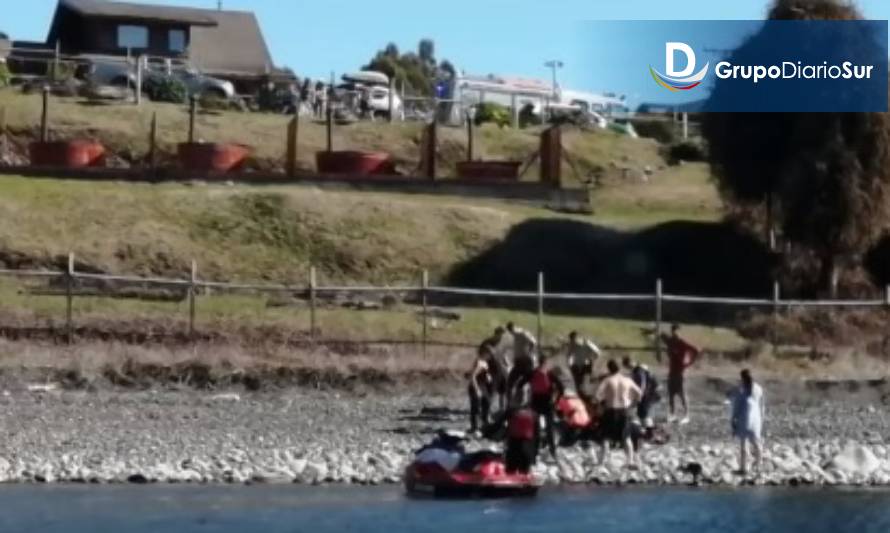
(222, 42)
(234, 46)
(123, 10)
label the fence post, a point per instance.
(470, 147)
(69, 297)
(293, 135)
(777, 297)
(193, 280)
(139, 62)
(44, 116)
(3, 141)
(659, 288)
(312, 295)
(424, 284)
(193, 111)
(887, 295)
(153, 145)
(540, 309)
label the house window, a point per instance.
(132, 37)
(177, 40)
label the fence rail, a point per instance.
(311, 290)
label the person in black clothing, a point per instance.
(541, 385)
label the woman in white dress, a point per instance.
(747, 420)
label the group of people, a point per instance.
(539, 400)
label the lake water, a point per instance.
(291, 509)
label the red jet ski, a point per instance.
(481, 477)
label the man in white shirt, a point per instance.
(582, 355)
(524, 361)
(619, 395)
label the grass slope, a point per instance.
(125, 129)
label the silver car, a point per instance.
(121, 72)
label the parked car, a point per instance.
(112, 72)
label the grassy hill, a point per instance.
(124, 129)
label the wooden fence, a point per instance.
(422, 292)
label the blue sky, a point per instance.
(515, 37)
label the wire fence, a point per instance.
(419, 315)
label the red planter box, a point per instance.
(355, 163)
(212, 157)
(67, 154)
(500, 170)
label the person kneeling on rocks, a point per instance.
(521, 447)
(446, 450)
(575, 418)
(619, 395)
(747, 420)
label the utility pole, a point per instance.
(553, 65)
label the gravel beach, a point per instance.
(822, 433)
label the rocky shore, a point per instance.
(312, 437)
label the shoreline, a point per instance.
(311, 437)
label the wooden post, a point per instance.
(312, 303)
(193, 281)
(424, 284)
(153, 144)
(3, 139)
(658, 318)
(293, 134)
(428, 158)
(685, 126)
(329, 116)
(887, 295)
(138, 88)
(514, 110)
(44, 116)
(777, 297)
(69, 297)
(193, 113)
(470, 140)
(540, 309)
(551, 155)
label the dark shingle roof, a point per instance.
(234, 46)
(104, 8)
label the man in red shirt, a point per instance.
(681, 355)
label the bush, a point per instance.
(60, 71)
(494, 113)
(687, 151)
(5, 76)
(166, 90)
(663, 131)
(528, 117)
(213, 102)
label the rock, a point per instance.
(854, 461)
(227, 397)
(137, 479)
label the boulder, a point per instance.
(854, 461)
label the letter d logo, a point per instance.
(675, 80)
(671, 50)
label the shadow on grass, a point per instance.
(691, 258)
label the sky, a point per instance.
(506, 37)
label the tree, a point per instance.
(825, 176)
(418, 71)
